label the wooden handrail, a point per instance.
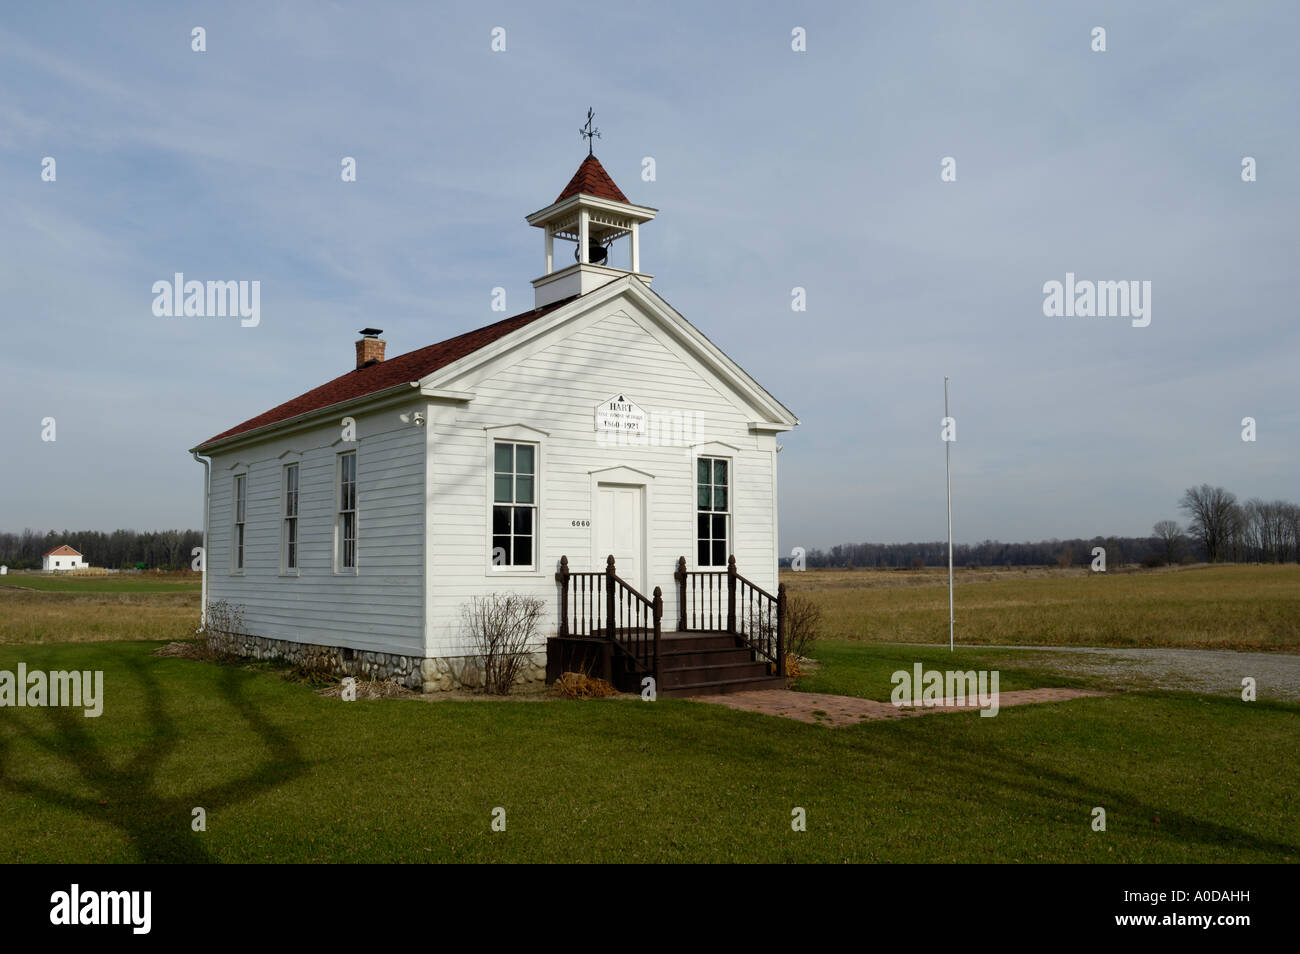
(602, 605)
(630, 620)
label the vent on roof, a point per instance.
(370, 347)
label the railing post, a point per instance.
(731, 594)
(658, 615)
(563, 577)
(780, 629)
(680, 576)
(609, 598)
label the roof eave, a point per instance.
(307, 418)
(643, 213)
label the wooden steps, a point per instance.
(704, 663)
(688, 662)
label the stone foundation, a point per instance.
(421, 673)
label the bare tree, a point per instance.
(503, 628)
(1236, 534)
(1291, 520)
(1214, 518)
(1170, 537)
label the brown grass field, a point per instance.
(1218, 607)
(35, 608)
(1253, 607)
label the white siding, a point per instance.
(62, 563)
(380, 608)
(555, 387)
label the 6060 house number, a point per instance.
(580, 523)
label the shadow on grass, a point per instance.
(158, 828)
(989, 770)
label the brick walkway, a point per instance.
(836, 711)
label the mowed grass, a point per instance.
(1208, 607)
(287, 775)
(60, 609)
(849, 668)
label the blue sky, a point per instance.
(775, 169)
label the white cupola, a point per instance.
(593, 213)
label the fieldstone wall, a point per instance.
(423, 674)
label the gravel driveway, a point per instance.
(1276, 675)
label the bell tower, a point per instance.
(592, 213)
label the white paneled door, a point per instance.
(620, 530)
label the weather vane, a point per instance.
(589, 133)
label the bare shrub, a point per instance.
(503, 629)
(803, 624)
(582, 685)
(224, 618)
(187, 649)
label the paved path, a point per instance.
(835, 711)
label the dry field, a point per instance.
(1206, 607)
(1222, 607)
(82, 608)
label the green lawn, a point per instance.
(850, 668)
(286, 775)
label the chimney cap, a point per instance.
(371, 332)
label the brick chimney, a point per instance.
(370, 349)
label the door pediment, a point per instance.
(621, 475)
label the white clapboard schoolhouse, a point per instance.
(597, 451)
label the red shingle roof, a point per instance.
(386, 374)
(592, 179)
(64, 550)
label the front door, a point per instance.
(620, 530)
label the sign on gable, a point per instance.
(620, 415)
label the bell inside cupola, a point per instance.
(594, 214)
(597, 254)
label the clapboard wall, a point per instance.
(554, 389)
(380, 607)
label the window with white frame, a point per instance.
(289, 535)
(713, 510)
(346, 530)
(237, 541)
(514, 504)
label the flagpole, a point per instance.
(947, 453)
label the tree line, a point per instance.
(1218, 529)
(120, 549)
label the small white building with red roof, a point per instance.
(596, 451)
(61, 559)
